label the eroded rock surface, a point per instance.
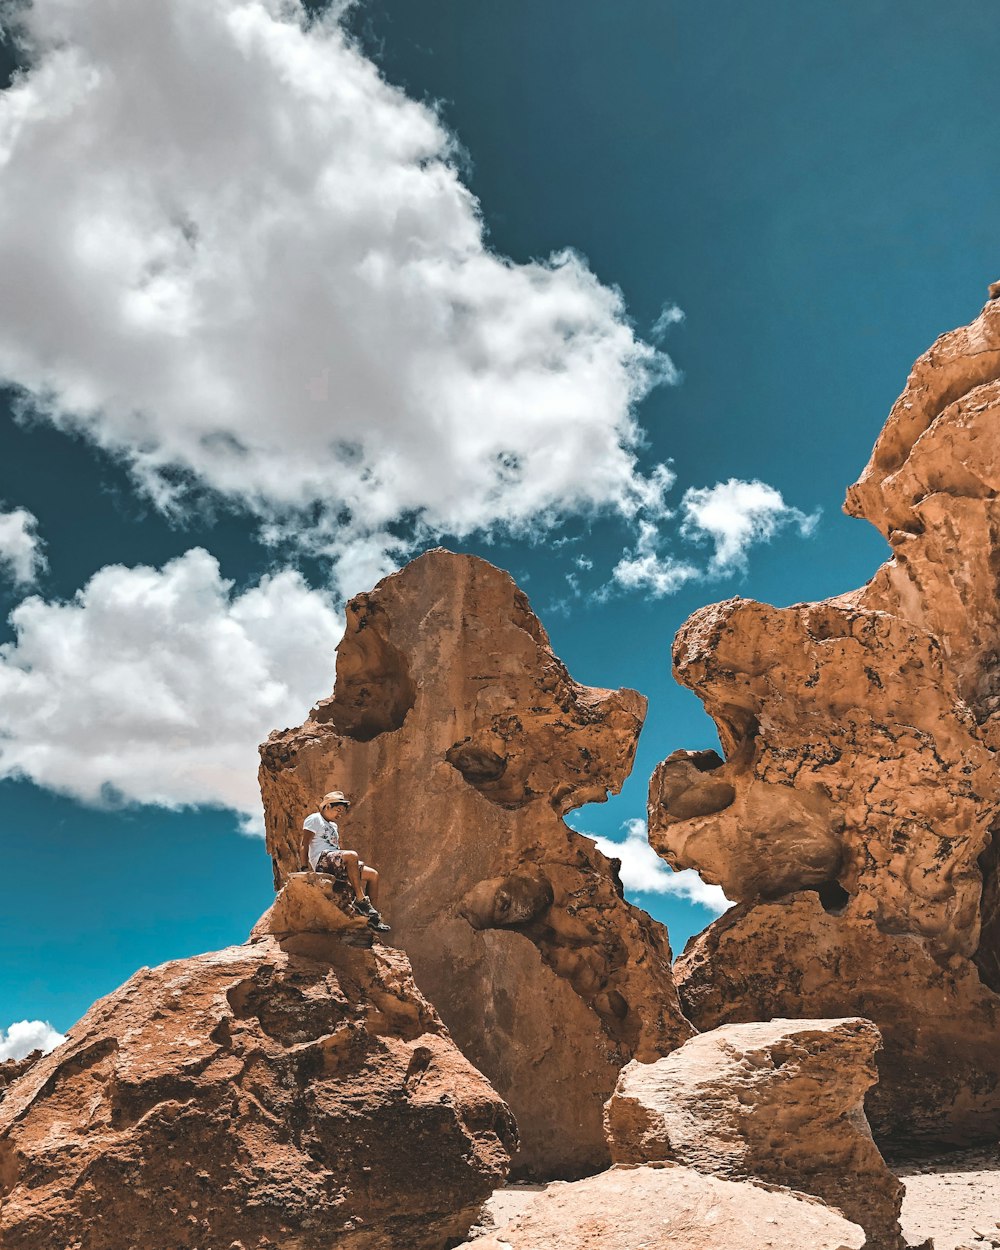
(289, 1095)
(853, 813)
(11, 1069)
(779, 1101)
(311, 902)
(671, 1208)
(463, 741)
(937, 1019)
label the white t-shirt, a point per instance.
(325, 837)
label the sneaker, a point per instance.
(363, 907)
(376, 922)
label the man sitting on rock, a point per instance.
(321, 851)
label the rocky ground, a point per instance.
(954, 1200)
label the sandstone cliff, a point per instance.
(853, 814)
(464, 741)
(289, 1094)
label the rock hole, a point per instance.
(705, 761)
(833, 897)
(825, 622)
(507, 902)
(738, 729)
(478, 765)
(487, 770)
(374, 689)
(420, 1061)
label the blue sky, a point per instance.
(811, 185)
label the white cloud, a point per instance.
(670, 315)
(157, 685)
(643, 871)
(24, 1036)
(734, 515)
(20, 547)
(238, 258)
(731, 515)
(646, 568)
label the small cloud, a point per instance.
(649, 497)
(24, 1036)
(582, 562)
(659, 575)
(734, 515)
(670, 315)
(21, 555)
(645, 568)
(731, 515)
(644, 872)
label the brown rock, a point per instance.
(259, 1095)
(937, 1018)
(779, 1102)
(854, 763)
(671, 1208)
(463, 741)
(860, 738)
(11, 1069)
(311, 902)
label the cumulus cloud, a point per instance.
(24, 1036)
(647, 568)
(157, 685)
(643, 871)
(236, 257)
(21, 556)
(734, 515)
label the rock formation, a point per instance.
(292, 1093)
(853, 814)
(464, 741)
(671, 1208)
(11, 1069)
(779, 1102)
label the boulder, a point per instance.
(282, 1094)
(671, 1208)
(857, 798)
(779, 1102)
(311, 902)
(463, 741)
(937, 1085)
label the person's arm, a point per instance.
(306, 838)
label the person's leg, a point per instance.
(353, 866)
(370, 878)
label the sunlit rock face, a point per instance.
(11, 1069)
(293, 1092)
(671, 1208)
(852, 815)
(779, 1102)
(463, 741)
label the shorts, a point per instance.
(332, 863)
